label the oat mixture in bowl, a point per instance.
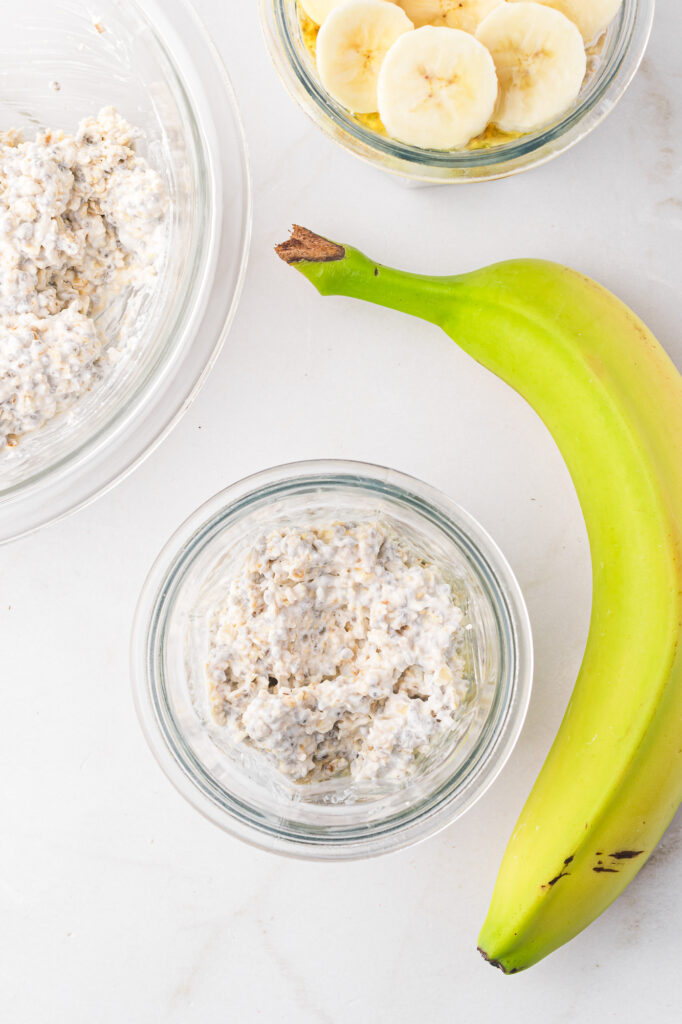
(124, 228)
(331, 660)
(83, 219)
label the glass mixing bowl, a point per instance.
(235, 787)
(611, 66)
(60, 61)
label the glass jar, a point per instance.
(611, 66)
(154, 61)
(236, 788)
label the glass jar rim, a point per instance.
(630, 39)
(442, 806)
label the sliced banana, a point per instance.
(464, 14)
(351, 46)
(540, 61)
(591, 16)
(319, 10)
(437, 88)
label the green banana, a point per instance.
(612, 399)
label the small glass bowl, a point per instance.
(611, 66)
(154, 61)
(236, 789)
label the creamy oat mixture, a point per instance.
(335, 649)
(81, 218)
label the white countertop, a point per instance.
(119, 904)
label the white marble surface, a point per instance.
(118, 903)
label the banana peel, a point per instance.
(612, 400)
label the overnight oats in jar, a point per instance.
(339, 651)
(331, 660)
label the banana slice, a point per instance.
(351, 46)
(437, 88)
(591, 16)
(318, 10)
(540, 61)
(464, 14)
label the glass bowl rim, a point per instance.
(130, 434)
(491, 749)
(484, 164)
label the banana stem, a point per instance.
(341, 270)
